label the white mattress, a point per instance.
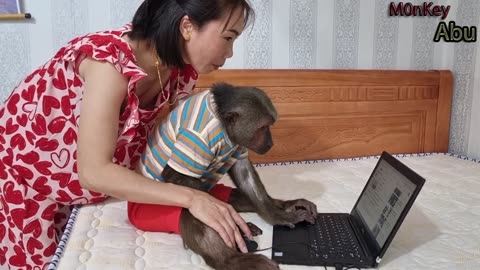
(442, 230)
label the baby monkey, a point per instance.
(202, 139)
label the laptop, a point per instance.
(361, 238)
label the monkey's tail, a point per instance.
(248, 261)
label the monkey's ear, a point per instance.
(231, 117)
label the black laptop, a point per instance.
(358, 239)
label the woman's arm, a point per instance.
(104, 91)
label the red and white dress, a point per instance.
(38, 143)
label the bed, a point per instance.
(332, 126)
(350, 113)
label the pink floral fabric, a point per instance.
(38, 144)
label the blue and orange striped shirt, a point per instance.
(192, 141)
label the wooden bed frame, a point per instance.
(350, 113)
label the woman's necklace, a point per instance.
(157, 64)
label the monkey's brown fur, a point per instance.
(246, 114)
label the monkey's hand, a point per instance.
(294, 211)
(293, 205)
(289, 219)
(254, 229)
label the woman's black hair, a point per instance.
(158, 21)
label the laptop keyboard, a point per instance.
(332, 237)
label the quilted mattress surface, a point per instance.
(442, 230)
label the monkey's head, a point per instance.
(247, 114)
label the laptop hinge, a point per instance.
(360, 240)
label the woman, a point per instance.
(73, 130)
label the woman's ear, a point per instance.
(186, 27)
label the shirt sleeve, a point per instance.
(240, 153)
(190, 154)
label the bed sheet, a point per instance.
(440, 232)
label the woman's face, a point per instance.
(209, 47)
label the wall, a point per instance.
(473, 149)
(324, 34)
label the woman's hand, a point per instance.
(221, 217)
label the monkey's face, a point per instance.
(254, 133)
(261, 141)
(247, 114)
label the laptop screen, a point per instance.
(383, 200)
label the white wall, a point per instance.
(327, 34)
(474, 135)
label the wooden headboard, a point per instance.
(350, 113)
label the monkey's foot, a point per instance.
(251, 262)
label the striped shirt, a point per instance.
(192, 141)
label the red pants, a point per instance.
(165, 218)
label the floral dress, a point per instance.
(38, 144)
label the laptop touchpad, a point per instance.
(291, 242)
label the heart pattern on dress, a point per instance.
(61, 159)
(39, 125)
(31, 109)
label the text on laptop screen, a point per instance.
(383, 201)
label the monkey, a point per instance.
(245, 116)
